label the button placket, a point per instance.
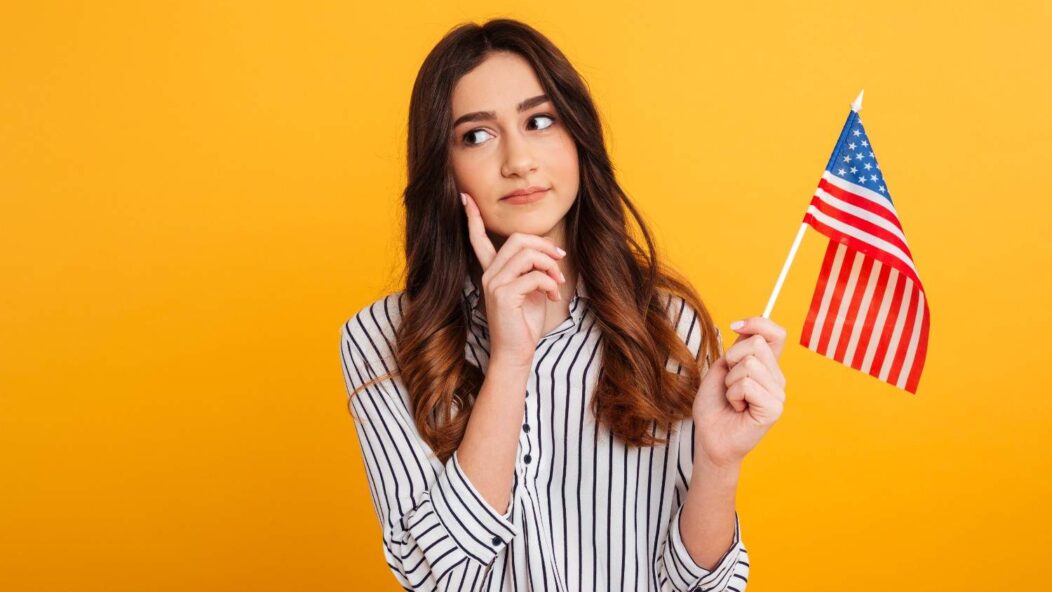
(526, 445)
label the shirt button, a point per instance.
(496, 541)
(526, 427)
(527, 459)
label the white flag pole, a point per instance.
(785, 270)
(856, 106)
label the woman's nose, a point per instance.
(518, 157)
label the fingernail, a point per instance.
(463, 199)
(560, 251)
(562, 276)
(737, 325)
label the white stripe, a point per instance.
(861, 191)
(863, 310)
(911, 351)
(823, 309)
(866, 215)
(896, 334)
(845, 304)
(863, 236)
(878, 324)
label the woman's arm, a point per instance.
(707, 524)
(491, 439)
(438, 530)
(703, 549)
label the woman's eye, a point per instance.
(467, 136)
(549, 117)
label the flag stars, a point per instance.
(864, 169)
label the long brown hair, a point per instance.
(635, 392)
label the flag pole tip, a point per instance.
(857, 105)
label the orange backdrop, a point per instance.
(196, 195)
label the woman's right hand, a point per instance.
(516, 282)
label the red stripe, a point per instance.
(869, 250)
(816, 298)
(852, 312)
(834, 303)
(871, 315)
(857, 200)
(922, 352)
(888, 327)
(906, 337)
(860, 223)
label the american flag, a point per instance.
(868, 310)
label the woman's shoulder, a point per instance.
(370, 332)
(688, 323)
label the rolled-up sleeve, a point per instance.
(438, 531)
(678, 571)
(454, 521)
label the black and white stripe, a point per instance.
(587, 512)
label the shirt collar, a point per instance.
(472, 295)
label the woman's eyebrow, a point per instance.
(491, 115)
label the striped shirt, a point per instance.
(586, 512)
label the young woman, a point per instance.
(545, 406)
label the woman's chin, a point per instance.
(528, 223)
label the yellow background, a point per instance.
(195, 196)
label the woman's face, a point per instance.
(498, 148)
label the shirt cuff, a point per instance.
(686, 574)
(471, 521)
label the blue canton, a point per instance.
(853, 159)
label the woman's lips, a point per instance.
(523, 199)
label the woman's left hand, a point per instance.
(741, 395)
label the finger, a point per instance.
(752, 367)
(763, 406)
(525, 260)
(483, 247)
(524, 284)
(772, 332)
(519, 240)
(737, 396)
(754, 345)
